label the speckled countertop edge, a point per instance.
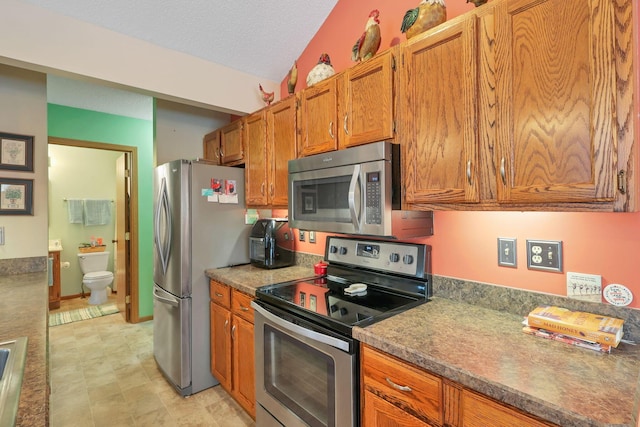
(486, 350)
(247, 278)
(24, 312)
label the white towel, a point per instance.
(97, 212)
(75, 209)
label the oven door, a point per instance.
(304, 376)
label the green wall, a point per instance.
(85, 125)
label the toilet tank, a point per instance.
(93, 261)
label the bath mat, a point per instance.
(56, 319)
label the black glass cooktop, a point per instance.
(325, 300)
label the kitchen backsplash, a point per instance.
(22, 265)
(521, 302)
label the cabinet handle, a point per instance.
(243, 308)
(346, 129)
(219, 295)
(398, 387)
(331, 129)
(262, 189)
(271, 190)
(226, 324)
(217, 153)
(221, 153)
(233, 332)
(503, 174)
(469, 172)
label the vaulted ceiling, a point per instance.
(261, 38)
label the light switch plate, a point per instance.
(301, 235)
(507, 256)
(544, 255)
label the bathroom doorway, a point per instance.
(125, 235)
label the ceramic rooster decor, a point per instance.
(321, 71)
(267, 97)
(292, 78)
(477, 2)
(369, 42)
(428, 14)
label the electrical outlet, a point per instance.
(312, 236)
(585, 287)
(301, 235)
(544, 255)
(507, 252)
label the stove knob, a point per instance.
(394, 257)
(343, 250)
(407, 259)
(333, 249)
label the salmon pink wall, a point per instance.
(464, 244)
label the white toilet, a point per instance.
(96, 277)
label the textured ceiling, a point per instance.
(261, 38)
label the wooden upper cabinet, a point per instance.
(556, 97)
(255, 134)
(281, 145)
(211, 146)
(439, 116)
(318, 117)
(366, 101)
(232, 144)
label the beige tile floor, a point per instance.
(103, 374)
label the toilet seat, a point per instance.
(97, 275)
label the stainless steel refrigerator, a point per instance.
(193, 231)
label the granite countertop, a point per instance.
(247, 278)
(486, 350)
(24, 312)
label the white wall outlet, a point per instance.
(312, 236)
(585, 287)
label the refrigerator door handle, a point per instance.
(163, 215)
(165, 300)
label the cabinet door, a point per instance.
(221, 345)
(555, 85)
(211, 146)
(366, 102)
(256, 161)
(54, 289)
(281, 142)
(379, 412)
(479, 411)
(243, 368)
(439, 115)
(318, 118)
(231, 144)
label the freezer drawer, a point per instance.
(172, 338)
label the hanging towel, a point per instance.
(97, 212)
(75, 209)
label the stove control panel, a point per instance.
(395, 257)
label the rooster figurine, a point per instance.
(428, 14)
(321, 71)
(267, 97)
(292, 79)
(369, 42)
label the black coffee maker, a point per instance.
(271, 243)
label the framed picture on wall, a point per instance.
(16, 152)
(16, 196)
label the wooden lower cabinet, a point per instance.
(232, 354)
(54, 288)
(396, 393)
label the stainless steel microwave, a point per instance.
(353, 191)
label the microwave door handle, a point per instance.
(352, 197)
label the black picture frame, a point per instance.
(16, 196)
(16, 152)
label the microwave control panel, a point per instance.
(373, 199)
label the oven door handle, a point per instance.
(296, 329)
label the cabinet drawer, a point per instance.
(220, 294)
(241, 305)
(411, 389)
(480, 411)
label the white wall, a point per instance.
(23, 107)
(179, 130)
(34, 38)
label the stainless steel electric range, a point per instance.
(306, 358)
